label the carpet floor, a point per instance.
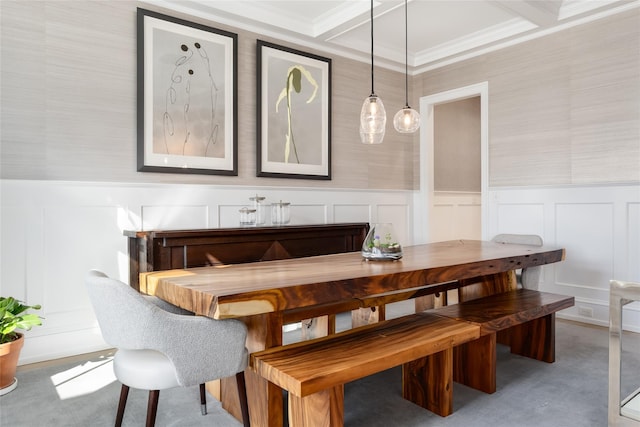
(572, 392)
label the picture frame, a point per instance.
(187, 96)
(293, 113)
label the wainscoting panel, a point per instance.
(455, 215)
(308, 214)
(229, 215)
(175, 217)
(53, 232)
(599, 226)
(526, 218)
(14, 250)
(468, 221)
(351, 213)
(442, 223)
(587, 230)
(79, 235)
(398, 215)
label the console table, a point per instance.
(156, 250)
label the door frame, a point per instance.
(423, 199)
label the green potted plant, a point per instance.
(13, 315)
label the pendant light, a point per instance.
(406, 120)
(373, 117)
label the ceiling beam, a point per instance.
(541, 13)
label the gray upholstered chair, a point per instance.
(529, 277)
(160, 346)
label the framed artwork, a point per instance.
(293, 113)
(187, 97)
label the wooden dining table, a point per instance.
(267, 295)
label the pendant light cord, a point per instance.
(372, 91)
(406, 56)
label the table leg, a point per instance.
(483, 286)
(367, 315)
(317, 327)
(427, 302)
(265, 399)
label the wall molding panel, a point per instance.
(456, 215)
(598, 225)
(53, 232)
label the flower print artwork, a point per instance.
(294, 81)
(293, 113)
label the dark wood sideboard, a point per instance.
(156, 250)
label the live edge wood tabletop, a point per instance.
(265, 294)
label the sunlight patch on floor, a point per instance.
(84, 378)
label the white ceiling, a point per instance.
(440, 31)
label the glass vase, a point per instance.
(381, 243)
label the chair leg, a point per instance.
(124, 393)
(203, 400)
(152, 407)
(242, 394)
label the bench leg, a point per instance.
(428, 382)
(535, 339)
(504, 337)
(322, 409)
(475, 363)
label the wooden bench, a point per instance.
(522, 318)
(314, 372)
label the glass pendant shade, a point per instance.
(373, 120)
(373, 117)
(406, 120)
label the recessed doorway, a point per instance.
(450, 204)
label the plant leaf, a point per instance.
(28, 321)
(296, 80)
(311, 80)
(12, 317)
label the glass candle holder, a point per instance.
(280, 213)
(258, 205)
(381, 243)
(247, 217)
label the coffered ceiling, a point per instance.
(440, 31)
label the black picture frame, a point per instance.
(187, 96)
(293, 113)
